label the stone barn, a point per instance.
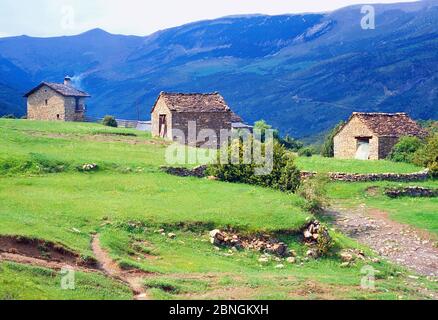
(371, 136)
(176, 110)
(56, 101)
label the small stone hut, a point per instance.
(174, 111)
(56, 101)
(372, 136)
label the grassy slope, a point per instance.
(56, 206)
(323, 165)
(419, 212)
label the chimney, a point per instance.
(67, 81)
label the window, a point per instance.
(57, 117)
(47, 102)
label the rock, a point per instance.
(214, 233)
(291, 260)
(279, 266)
(312, 254)
(212, 178)
(347, 257)
(345, 265)
(171, 235)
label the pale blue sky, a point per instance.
(140, 17)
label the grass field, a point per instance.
(44, 194)
(324, 165)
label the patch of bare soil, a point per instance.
(132, 278)
(41, 253)
(399, 243)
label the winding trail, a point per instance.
(399, 243)
(133, 279)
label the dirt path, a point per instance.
(399, 243)
(112, 269)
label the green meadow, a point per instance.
(45, 194)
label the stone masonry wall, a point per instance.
(385, 146)
(354, 177)
(215, 121)
(58, 107)
(161, 109)
(345, 142)
(37, 108)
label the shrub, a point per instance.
(291, 143)
(328, 148)
(314, 191)
(306, 152)
(405, 149)
(427, 156)
(109, 121)
(324, 242)
(284, 176)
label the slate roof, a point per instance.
(391, 124)
(194, 102)
(65, 90)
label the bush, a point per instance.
(405, 149)
(328, 148)
(291, 143)
(427, 156)
(109, 121)
(284, 176)
(314, 191)
(306, 152)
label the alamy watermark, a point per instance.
(368, 21)
(68, 278)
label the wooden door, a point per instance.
(163, 126)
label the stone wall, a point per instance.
(353, 177)
(411, 192)
(161, 109)
(385, 146)
(37, 109)
(47, 104)
(345, 142)
(214, 121)
(199, 172)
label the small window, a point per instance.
(47, 102)
(57, 116)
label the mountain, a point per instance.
(301, 73)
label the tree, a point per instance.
(427, 156)
(263, 126)
(405, 149)
(328, 148)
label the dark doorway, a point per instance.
(163, 126)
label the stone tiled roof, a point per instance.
(391, 124)
(195, 102)
(65, 90)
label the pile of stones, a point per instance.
(263, 244)
(198, 172)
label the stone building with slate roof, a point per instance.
(56, 101)
(371, 136)
(176, 110)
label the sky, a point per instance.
(47, 18)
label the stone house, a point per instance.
(175, 111)
(56, 101)
(371, 136)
